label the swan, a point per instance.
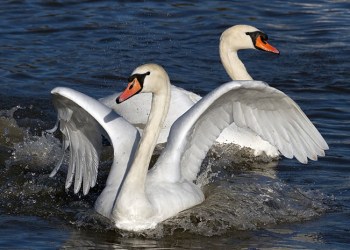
(137, 198)
(235, 38)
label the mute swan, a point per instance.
(233, 39)
(136, 198)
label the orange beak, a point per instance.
(132, 89)
(265, 46)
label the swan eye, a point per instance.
(135, 86)
(254, 35)
(259, 40)
(140, 78)
(257, 34)
(131, 78)
(264, 37)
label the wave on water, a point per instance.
(242, 192)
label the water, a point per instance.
(92, 46)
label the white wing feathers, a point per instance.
(249, 104)
(82, 135)
(82, 121)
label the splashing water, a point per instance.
(242, 192)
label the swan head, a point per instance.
(147, 78)
(246, 37)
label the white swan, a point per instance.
(136, 198)
(233, 39)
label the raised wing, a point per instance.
(249, 104)
(82, 121)
(137, 109)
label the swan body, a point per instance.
(137, 198)
(233, 39)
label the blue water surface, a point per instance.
(93, 46)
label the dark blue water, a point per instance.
(93, 46)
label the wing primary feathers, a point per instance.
(71, 166)
(253, 105)
(59, 163)
(78, 167)
(82, 121)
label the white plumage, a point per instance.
(136, 198)
(136, 111)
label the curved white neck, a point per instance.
(233, 65)
(136, 177)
